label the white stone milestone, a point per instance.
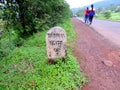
(56, 43)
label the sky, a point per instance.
(80, 3)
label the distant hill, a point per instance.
(107, 3)
(102, 4)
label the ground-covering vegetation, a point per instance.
(109, 16)
(26, 68)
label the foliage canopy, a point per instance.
(30, 16)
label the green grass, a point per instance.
(26, 68)
(113, 17)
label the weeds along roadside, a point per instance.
(26, 67)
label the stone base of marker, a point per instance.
(56, 43)
(53, 61)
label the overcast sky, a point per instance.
(80, 3)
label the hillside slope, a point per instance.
(107, 3)
(101, 4)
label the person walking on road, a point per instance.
(86, 15)
(91, 14)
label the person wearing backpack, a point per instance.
(91, 14)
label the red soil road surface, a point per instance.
(98, 58)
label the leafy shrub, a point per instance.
(35, 15)
(107, 14)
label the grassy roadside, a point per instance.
(113, 17)
(26, 67)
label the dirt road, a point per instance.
(98, 58)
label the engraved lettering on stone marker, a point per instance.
(53, 35)
(59, 43)
(56, 43)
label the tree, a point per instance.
(107, 14)
(80, 12)
(35, 15)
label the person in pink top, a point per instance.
(86, 15)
